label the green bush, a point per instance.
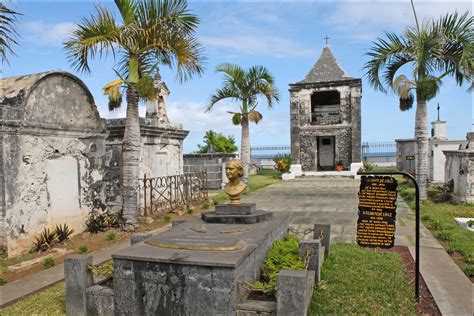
(470, 223)
(98, 222)
(105, 269)
(469, 270)
(283, 255)
(48, 262)
(3, 281)
(282, 162)
(111, 235)
(167, 218)
(63, 232)
(218, 142)
(190, 210)
(205, 206)
(368, 166)
(83, 249)
(45, 240)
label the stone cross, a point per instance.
(326, 38)
(438, 110)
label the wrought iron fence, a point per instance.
(378, 149)
(164, 194)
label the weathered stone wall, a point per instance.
(304, 133)
(161, 154)
(437, 159)
(52, 156)
(460, 169)
(406, 147)
(210, 163)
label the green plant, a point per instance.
(167, 218)
(445, 235)
(63, 232)
(105, 269)
(3, 253)
(283, 255)
(368, 166)
(470, 223)
(282, 162)
(190, 210)
(217, 143)
(45, 240)
(205, 206)
(3, 281)
(48, 262)
(469, 270)
(111, 235)
(98, 222)
(83, 249)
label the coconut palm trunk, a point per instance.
(421, 137)
(131, 159)
(245, 146)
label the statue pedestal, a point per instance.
(245, 213)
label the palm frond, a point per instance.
(94, 37)
(226, 92)
(255, 116)
(8, 33)
(402, 86)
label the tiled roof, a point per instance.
(326, 69)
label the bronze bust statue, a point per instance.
(234, 170)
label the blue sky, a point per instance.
(285, 37)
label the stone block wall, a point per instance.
(459, 168)
(161, 154)
(347, 133)
(406, 147)
(210, 163)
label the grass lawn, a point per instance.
(48, 302)
(257, 181)
(439, 219)
(360, 281)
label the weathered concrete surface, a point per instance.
(155, 280)
(325, 231)
(100, 301)
(236, 209)
(295, 289)
(78, 278)
(313, 248)
(211, 163)
(256, 308)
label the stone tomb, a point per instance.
(194, 268)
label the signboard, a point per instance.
(377, 212)
(410, 157)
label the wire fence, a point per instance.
(379, 150)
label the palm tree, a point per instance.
(245, 86)
(434, 50)
(8, 34)
(149, 33)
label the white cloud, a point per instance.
(364, 21)
(258, 45)
(43, 33)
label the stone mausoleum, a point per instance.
(59, 160)
(325, 114)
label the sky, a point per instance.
(285, 37)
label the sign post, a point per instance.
(376, 224)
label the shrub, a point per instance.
(205, 206)
(470, 223)
(63, 232)
(440, 193)
(445, 235)
(3, 253)
(3, 281)
(105, 269)
(190, 210)
(111, 235)
(98, 222)
(282, 162)
(83, 249)
(48, 262)
(45, 240)
(283, 255)
(425, 217)
(218, 143)
(469, 270)
(368, 166)
(167, 218)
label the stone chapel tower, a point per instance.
(325, 117)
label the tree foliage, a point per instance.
(214, 142)
(8, 33)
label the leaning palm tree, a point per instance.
(245, 86)
(146, 34)
(433, 50)
(8, 33)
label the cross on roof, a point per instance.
(326, 38)
(438, 110)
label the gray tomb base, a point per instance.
(170, 280)
(245, 213)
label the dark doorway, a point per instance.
(326, 153)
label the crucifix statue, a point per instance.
(326, 38)
(438, 110)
